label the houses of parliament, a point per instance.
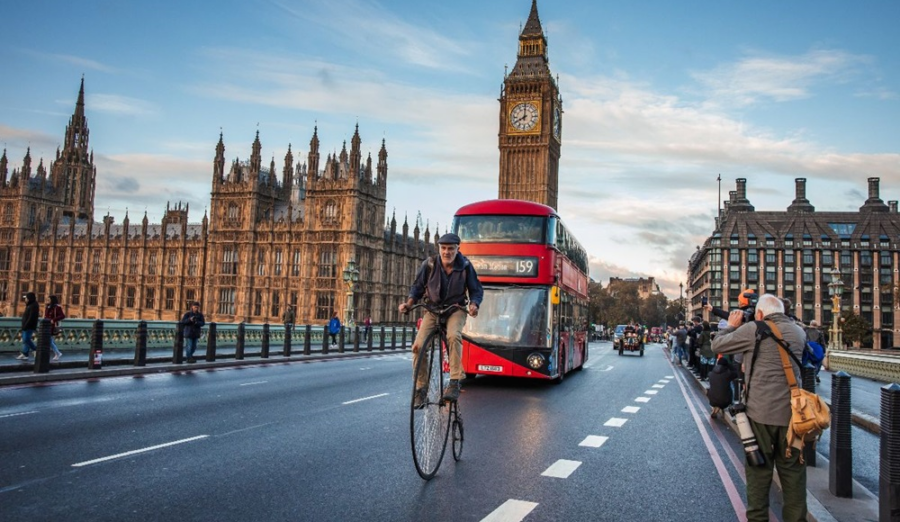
(269, 240)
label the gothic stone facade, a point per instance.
(791, 253)
(266, 242)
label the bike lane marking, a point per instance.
(562, 468)
(737, 503)
(365, 398)
(510, 511)
(135, 452)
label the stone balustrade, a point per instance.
(878, 365)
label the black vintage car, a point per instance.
(631, 341)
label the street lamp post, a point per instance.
(351, 277)
(681, 300)
(835, 289)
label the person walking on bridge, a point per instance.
(193, 322)
(29, 324)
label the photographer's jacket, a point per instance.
(193, 322)
(770, 397)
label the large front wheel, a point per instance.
(429, 422)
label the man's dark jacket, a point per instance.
(32, 313)
(193, 322)
(442, 290)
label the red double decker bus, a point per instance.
(533, 320)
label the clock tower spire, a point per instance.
(530, 131)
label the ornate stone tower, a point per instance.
(73, 173)
(530, 122)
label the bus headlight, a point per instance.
(535, 360)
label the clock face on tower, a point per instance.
(557, 123)
(524, 116)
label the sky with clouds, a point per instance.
(660, 98)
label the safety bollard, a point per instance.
(381, 342)
(286, 351)
(264, 351)
(356, 338)
(239, 342)
(211, 342)
(178, 349)
(341, 340)
(809, 384)
(42, 354)
(95, 358)
(393, 338)
(307, 338)
(369, 341)
(325, 339)
(840, 469)
(889, 474)
(140, 344)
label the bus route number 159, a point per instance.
(524, 266)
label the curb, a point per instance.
(66, 375)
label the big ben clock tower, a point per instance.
(530, 122)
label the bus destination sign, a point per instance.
(505, 266)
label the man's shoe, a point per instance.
(419, 398)
(451, 392)
(21, 357)
(191, 360)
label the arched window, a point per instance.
(330, 214)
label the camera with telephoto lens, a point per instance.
(748, 439)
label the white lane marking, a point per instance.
(365, 398)
(651, 392)
(670, 376)
(658, 386)
(631, 409)
(562, 468)
(511, 511)
(593, 441)
(252, 383)
(665, 381)
(363, 369)
(642, 399)
(17, 414)
(608, 368)
(615, 422)
(135, 452)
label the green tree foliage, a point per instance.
(624, 305)
(856, 329)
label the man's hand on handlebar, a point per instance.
(473, 309)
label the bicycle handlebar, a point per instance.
(438, 311)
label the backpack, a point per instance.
(719, 392)
(810, 415)
(813, 353)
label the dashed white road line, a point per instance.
(651, 392)
(135, 452)
(642, 399)
(658, 386)
(511, 511)
(365, 398)
(670, 376)
(17, 414)
(615, 422)
(562, 468)
(593, 441)
(253, 383)
(631, 409)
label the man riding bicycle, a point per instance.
(445, 280)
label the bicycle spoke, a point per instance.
(429, 426)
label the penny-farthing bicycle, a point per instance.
(433, 419)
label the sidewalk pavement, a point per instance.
(823, 506)
(73, 365)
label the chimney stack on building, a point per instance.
(800, 203)
(740, 202)
(893, 206)
(874, 203)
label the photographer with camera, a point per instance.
(746, 303)
(764, 413)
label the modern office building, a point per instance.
(791, 253)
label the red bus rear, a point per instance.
(533, 320)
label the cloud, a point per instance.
(78, 61)
(121, 105)
(15, 139)
(365, 25)
(778, 78)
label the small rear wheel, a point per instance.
(458, 439)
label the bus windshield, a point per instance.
(511, 316)
(500, 229)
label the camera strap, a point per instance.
(759, 337)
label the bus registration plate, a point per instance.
(486, 368)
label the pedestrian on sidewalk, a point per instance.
(367, 327)
(678, 344)
(707, 358)
(814, 336)
(334, 328)
(54, 312)
(193, 322)
(289, 317)
(29, 325)
(768, 400)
